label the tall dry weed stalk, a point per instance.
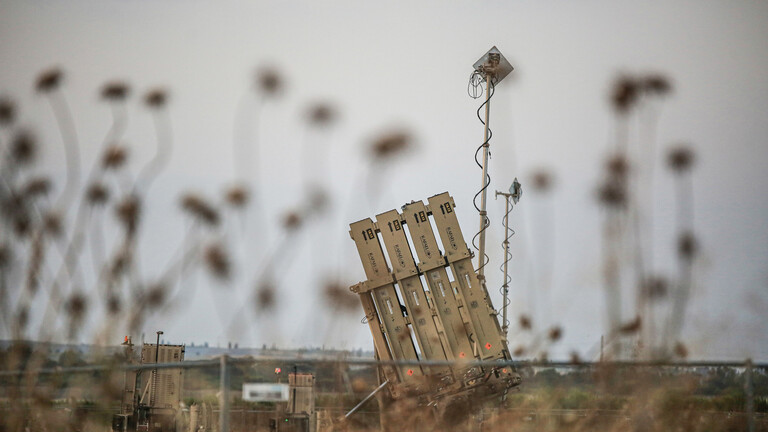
(627, 197)
(50, 225)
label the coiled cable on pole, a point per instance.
(483, 260)
(504, 290)
(475, 85)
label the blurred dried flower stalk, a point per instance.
(114, 157)
(217, 261)
(269, 81)
(115, 91)
(156, 98)
(125, 290)
(321, 114)
(7, 111)
(390, 145)
(200, 209)
(237, 196)
(49, 80)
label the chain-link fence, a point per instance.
(554, 396)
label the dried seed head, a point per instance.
(525, 322)
(128, 211)
(265, 297)
(49, 80)
(624, 94)
(269, 81)
(631, 327)
(655, 288)
(13, 204)
(681, 350)
(115, 91)
(555, 333)
(687, 246)
(617, 166)
(656, 84)
(97, 194)
(217, 261)
(360, 386)
(113, 304)
(52, 224)
(156, 98)
(390, 145)
(612, 194)
(5, 256)
(22, 317)
(541, 180)
(519, 351)
(318, 200)
(321, 114)
(7, 111)
(22, 225)
(120, 263)
(76, 306)
(575, 358)
(154, 297)
(198, 208)
(291, 221)
(34, 265)
(37, 186)
(338, 296)
(237, 196)
(23, 148)
(680, 159)
(113, 157)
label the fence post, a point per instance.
(223, 395)
(749, 396)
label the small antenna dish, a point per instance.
(493, 64)
(516, 191)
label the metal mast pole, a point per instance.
(483, 185)
(505, 287)
(514, 194)
(493, 68)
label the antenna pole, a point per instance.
(505, 327)
(483, 212)
(492, 67)
(505, 286)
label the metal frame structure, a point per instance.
(433, 297)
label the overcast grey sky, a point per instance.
(386, 64)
